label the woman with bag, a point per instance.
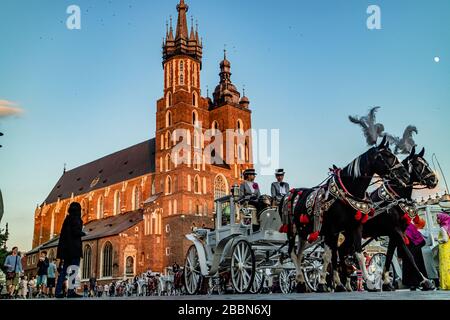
(13, 263)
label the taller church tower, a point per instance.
(185, 179)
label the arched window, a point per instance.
(167, 139)
(194, 118)
(168, 119)
(168, 162)
(135, 200)
(194, 99)
(117, 202)
(168, 185)
(197, 184)
(181, 72)
(100, 210)
(196, 139)
(107, 260)
(241, 152)
(153, 187)
(240, 126)
(87, 262)
(168, 100)
(214, 127)
(197, 162)
(129, 269)
(220, 187)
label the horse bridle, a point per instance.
(392, 169)
(413, 169)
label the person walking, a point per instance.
(31, 287)
(23, 287)
(415, 242)
(92, 285)
(70, 249)
(51, 278)
(13, 264)
(443, 220)
(42, 267)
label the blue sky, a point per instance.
(306, 66)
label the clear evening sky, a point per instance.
(306, 66)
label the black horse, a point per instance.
(342, 205)
(393, 219)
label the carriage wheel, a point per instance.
(242, 266)
(192, 273)
(285, 281)
(258, 282)
(311, 273)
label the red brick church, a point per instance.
(138, 203)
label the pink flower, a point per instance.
(255, 186)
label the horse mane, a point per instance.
(355, 168)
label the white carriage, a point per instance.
(248, 248)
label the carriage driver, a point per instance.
(249, 189)
(279, 188)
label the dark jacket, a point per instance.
(69, 246)
(42, 267)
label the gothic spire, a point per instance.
(182, 29)
(192, 35)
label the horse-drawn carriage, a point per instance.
(243, 251)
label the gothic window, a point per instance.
(153, 187)
(117, 202)
(197, 184)
(107, 260)
(135, 200)
(196, 139)
(168, 100)
(194, 99)
(220, 187)
(215, 127)
(129, 266)
(87, 262)
(197, 162)
(240, 126)
(181, 79)
(194, 118)
(167, 140)
(168, 119)
(241, 153)
(100, 210)
(168, 163)
(162, 141)
(168, 185)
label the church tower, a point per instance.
(186, 181)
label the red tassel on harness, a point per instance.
(407, 218)
(313, 236)
(304, 219)
(364, 218)
(406, 240)
(358, 215)
(284, 228)
(372, 212)
(300, 193)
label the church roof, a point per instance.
(102, 228)
(120, 166)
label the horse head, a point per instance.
(386, 164)
(419, 169)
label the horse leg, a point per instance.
(387, 285)
(357, 236)
(322, 287)
(426, 284)
(338, 286)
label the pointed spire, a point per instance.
(170, 37)
(196, 30)
(64, 170)
(182, 29)
(192, 35)
(167, 29)
(207, 91)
